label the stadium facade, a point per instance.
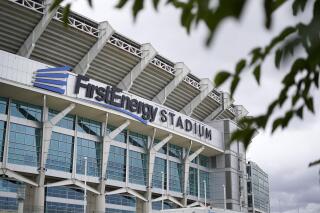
(258, 189)
(88, 113)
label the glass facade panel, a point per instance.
(203, 161)
(109, 210)
(122, 137)
(65, 192)
(117, 164)
(3, 105)
(166, 205)
(24, 145)
(175, 176)
(89, 126)
(26, 111)
(53, 207)
(123, 200)
(60, 152)
(137, 139)
(8, 185)
(193, 181)
(138, 168)
(91, 150)
(204, 176)
(160, 165)
(8, 204)
(2, 137)
(66, 122)
(175, 151)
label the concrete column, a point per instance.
(7, 136)
(46, 137)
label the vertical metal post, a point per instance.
(224, 197)
(85, 185)
(205, 192)
(162, 177)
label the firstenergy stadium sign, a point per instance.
(61, 81)
(114, 97)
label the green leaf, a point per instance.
(121, 3)
(137, 7)
(156, 4)
(65, 15)
(299, 112)
(276, 124)
(309, 104)
(287, 118)
(316, 79)
(256, 73)
(277, 58)
(240, 65)
(314, 163)
(298, 5)
(268, 12)
(261, 121)
(55, 4)
(221, 77)
(234, 85)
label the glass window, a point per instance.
(137, 168)
(137, 139)
(54, 207)
(24, 145)
(122, 137)
(160, 165)
(193, 181)
(60, 152)
(2, 137)
(109, 210)
(65, 192)
(163, 149)
(175, 151)
(175, 176)
(166, 205)
(204, 176)
(203, 161)
(8, 203)
(25, 110)
(89, 126)
(66, 122)
(117, 164)
(91, 150)
(195, 160)
(123, 200)
(3, 105)
(7, 185)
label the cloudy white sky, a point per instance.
(285, 155)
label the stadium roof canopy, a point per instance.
(97, 50)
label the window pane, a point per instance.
(60, 152)
(65, 192)
(91, 150)
(138, 168)
(54, 207)
(26, 111)
(89, 126)
(175, 151)
(123, 200)
(204, 161)
(204, 176)
(2, 137)
(3, 105)
(160, 165)
(175, 176)
(117, 164)
(122, 137)
(137, 139)
(193, 181)
(24, 145)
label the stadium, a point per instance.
(92, 121)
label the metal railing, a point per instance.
(192, 82)
(125, 46)
(164, 66)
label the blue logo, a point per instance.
(52, 79)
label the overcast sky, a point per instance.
(284, 155)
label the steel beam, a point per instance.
(29, 44)
(148, 53)
(206, 87)
(105, 32)
(181, 71)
